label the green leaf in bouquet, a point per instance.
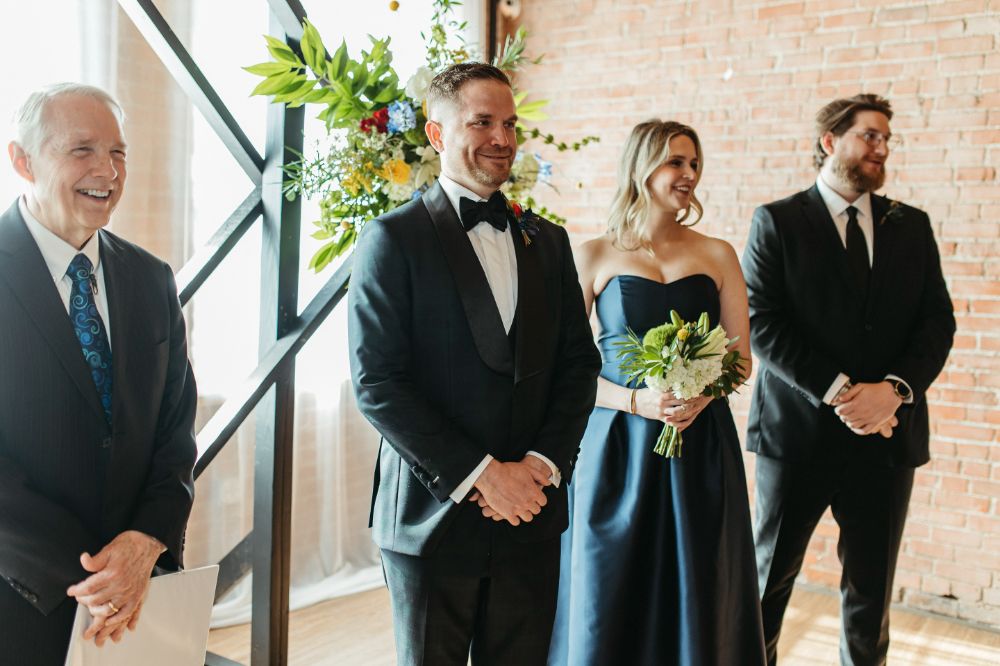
(336, 66)
(322, 257)
(268, 68)
(703, 323)
(359, 78)
(533, 110)
(675, 319)
(275, 84)
(311, 44)
(318, 95)
(281, 51)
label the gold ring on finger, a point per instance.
(114, 609)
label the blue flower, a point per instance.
(544, 169)
(401, 117)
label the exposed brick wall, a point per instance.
(749, 76)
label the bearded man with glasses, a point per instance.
(851, 321)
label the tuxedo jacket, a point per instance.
(809, 321)
(437, 375)
(69, 482)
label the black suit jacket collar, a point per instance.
(532, 320)
(23, 269)
(818, 216)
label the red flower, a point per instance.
(517, 208)
(382, 119)
(379, 120)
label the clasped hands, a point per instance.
(512, 491)
(665, 407)
(869, 408)
(115, 590)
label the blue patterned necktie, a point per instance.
(90, 329)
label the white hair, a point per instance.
(29, 121)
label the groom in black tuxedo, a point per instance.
(472, 355)
(851, 320)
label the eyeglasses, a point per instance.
(875, 139)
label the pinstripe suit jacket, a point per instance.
(69, 482)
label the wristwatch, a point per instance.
(901, 389)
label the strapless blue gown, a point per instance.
(658, 562)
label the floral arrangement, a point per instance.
(377, 155)
(684, 358)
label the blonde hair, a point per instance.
(647, 148)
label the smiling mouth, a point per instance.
(100, 195)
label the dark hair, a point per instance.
(838, 116)
(448, 83)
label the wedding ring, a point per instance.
(114, 609)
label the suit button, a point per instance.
(868, 327)
(434, 482)
(33, 598)
(106, 443)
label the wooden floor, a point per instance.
(357, 631)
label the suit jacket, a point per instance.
(435, 372)
(809, 321)
(69, 483)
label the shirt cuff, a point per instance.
(556, 477)
(835, 387)
(463, 488)
(908, 401)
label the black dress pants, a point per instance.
(869, 503)
(498, 608)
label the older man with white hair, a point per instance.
(97, 396)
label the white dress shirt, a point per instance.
(838, 206)
(495, 251)
(58, 254)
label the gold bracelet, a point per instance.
(631, 409)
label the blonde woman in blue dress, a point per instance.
(658, 561)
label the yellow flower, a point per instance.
(357, 180)
(395, 171)
(682, 334)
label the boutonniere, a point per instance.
(894, 213)
(525, 219)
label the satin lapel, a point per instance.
(25, 272)
(818, 215)
(534, 318)
(884, 246)
(470, 282)
(119, 305)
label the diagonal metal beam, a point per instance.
(181, 65)
(204, 262)
(241, 403)
(234, 566)
(289, 13)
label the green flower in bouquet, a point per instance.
(686, 359)
(378, 156)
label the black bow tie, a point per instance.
(493, 211)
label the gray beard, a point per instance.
(856, 178)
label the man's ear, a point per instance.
(433, 130)
(21, 161)
(827, 142)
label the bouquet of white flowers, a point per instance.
(684, 358)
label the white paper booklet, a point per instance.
(172, 630)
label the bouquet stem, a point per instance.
(668, 444)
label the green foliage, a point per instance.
(349, 89)
(368, 168)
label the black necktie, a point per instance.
(857, 250)
(493, 211)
